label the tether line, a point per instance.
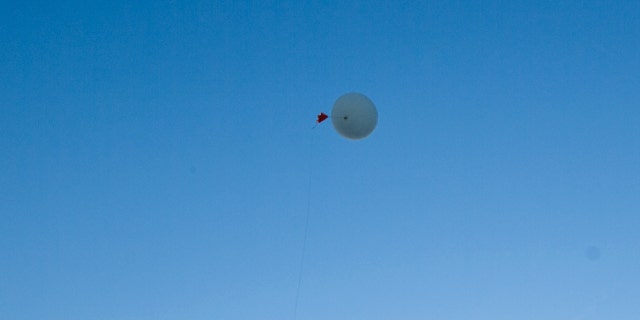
(306, 227)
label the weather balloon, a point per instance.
(354, 116)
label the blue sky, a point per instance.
(156, 158)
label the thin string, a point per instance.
(306, 225)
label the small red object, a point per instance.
(322, 117)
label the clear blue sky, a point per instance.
(155, 160)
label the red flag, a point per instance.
(322, 117)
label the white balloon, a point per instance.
(354, 116)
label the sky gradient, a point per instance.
(157, 159)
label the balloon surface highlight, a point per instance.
(354, 116)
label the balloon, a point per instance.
(354, 116)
